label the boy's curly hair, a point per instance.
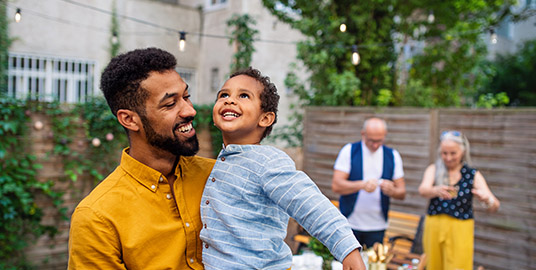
(269, 96)
(120, 80)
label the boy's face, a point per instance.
(237, 112)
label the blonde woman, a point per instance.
(451, 184)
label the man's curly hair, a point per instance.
(269, 96)
(120, 80)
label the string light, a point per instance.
(182, 34)
(115, 40)
(18, 15)
(182, 41)
(493, 36)
(355, 56)
(431, 17)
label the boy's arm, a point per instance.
(299, 196)
(91, 243)
(353, 261)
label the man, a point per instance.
(145, 214)
(366, 175)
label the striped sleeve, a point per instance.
(298, 195)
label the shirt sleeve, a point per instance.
(399, 166)
(92, 243)
(343, 161)
(298, 195)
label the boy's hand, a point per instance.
(353, 261)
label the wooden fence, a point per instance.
(503, 148)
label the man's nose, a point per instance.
(187, 111)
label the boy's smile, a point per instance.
(237, 112)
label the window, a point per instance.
(215, 4)
(50, 78)
(215, 80)
(188, 75)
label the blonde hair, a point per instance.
(441, 173)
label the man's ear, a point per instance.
(267, 119)
(129, 119)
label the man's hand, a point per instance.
(370, 185)
(353, 261)
(388, 187)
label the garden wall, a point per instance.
(503, 148)
(52, 254)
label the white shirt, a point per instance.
(367, 214)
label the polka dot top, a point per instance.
(461, 206)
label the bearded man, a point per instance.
(145, 214)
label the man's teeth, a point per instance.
(230, 114)
(185, 128)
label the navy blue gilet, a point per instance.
(347, 202)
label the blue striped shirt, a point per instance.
(248, 198)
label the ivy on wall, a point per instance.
(203, 118)
(20, 217)
(5, 42)
(87, 139)
(242, 36)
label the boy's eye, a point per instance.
(224, 95)
(244, 96)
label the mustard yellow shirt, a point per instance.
(131, 221)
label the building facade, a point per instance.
(60, 47)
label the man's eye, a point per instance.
(187, 97)
(170, 105)
(244, 96)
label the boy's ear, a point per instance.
(267, 119)
(129, 119)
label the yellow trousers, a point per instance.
(448, 243)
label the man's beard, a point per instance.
(170, 144)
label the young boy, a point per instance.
(253, 189)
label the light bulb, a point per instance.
(18, 15)
(342, 27)
(493, 36)
(431, 17)
(115, 40)
(355, 56)
(182, 41)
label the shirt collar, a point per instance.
(367, 151)
(145, 175)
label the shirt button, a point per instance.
(168, 196)
(153, 186)
(206, 245)
(222, 158)
(191, 260)
(207, 202)
(161, 179)
(187, 224)
(213, 179)
(205, 225)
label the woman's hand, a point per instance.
(444, 192)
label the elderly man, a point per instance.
(366, 175)
(145, 214)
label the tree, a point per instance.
(450, 30)
(514, 75)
